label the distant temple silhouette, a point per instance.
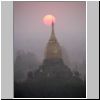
(53, 79)
(53, 65)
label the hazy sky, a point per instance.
(31, 34)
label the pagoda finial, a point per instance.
(52, 25)
(52, 32)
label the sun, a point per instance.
(48, 19)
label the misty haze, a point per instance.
(49, 60)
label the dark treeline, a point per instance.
(30, 83)
(24, 62)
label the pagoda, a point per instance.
(53, 65)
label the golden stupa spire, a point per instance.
(52, 27)
(53, 50)
(52, 37)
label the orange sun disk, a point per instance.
(48, 19)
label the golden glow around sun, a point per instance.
(48, 19)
